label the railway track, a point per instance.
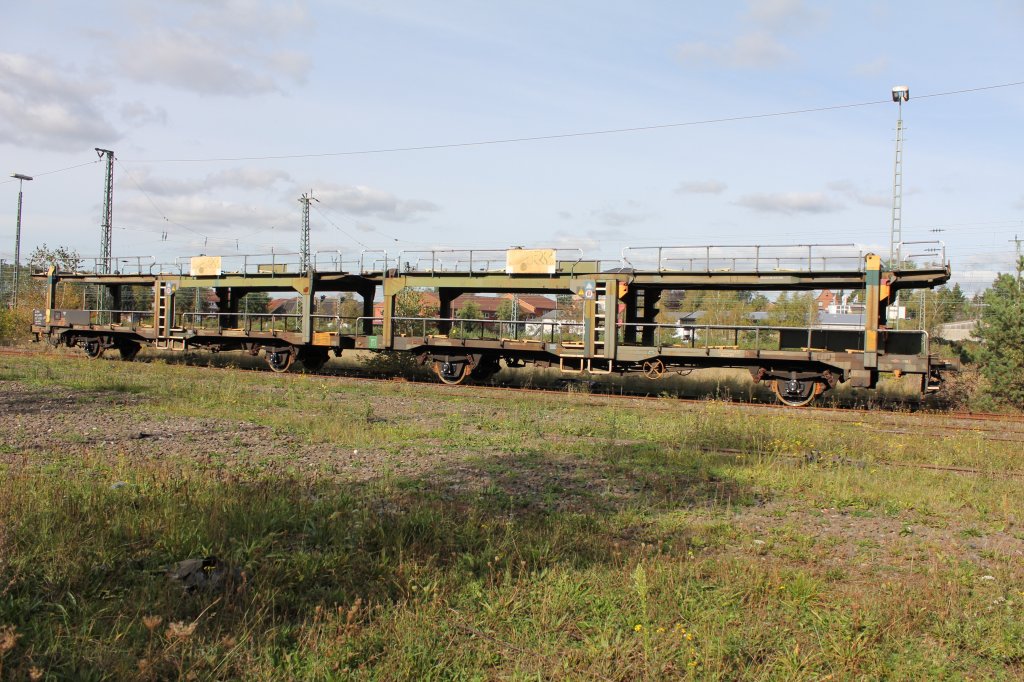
(991, 426)
(975, 421)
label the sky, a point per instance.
(223, 113)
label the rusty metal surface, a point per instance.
(617, 331)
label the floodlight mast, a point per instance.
(900, 94)
(21, 178)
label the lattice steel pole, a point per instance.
(304, 260)
(107, 223)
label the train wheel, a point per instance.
(128, 350)
(92, 347)
(280, 359)
(654, 369)
(796, 393)
(451, 372)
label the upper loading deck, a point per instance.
(760, 267)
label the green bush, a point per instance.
(15, 325)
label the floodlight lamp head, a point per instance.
(900, 93)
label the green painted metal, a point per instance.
(638, 291)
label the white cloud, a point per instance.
(753, 50)
(46, 106)
(755, 42)
(192, 62)
(790, 203)
(239, 178)
(854, 193)
(701, 187)
(783, 14)
(139, 113)
(295, 65)
(200, 214)
(368, 201)
(248, 178)
(251, 16)
(875, 67)
(582, 242)
(589, 240)
(618, 218)
(1019, 204)
(233, 47)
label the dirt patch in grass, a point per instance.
(865, 547)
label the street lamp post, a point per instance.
(21, 178)
(900, 94)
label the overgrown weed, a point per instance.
(545, 530)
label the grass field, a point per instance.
(391, 530)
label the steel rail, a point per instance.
(838, 461)
(807, 411)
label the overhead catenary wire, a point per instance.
(499, 141)
(58, 170)
(568, 135)
(338, 228)
(324, 210)
(537, 138)
(149, 198)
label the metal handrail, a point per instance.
(736, 329)
(800, 255)
(684, 258)
(362, 261)
(142, 265)
(938, 249)
(552, 326)
(271, 318)
(465, 260)
(465, 327)
(99, 313)
(331, 261)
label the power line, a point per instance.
(59, 170)
(561, 136)
(336, 227)
(371, 228)
(153, 203)
(509, 140)
(969, 90)
(610, 131)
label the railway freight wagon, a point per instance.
(613, 316)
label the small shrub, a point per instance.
(961, 390)
(15, 325)
(391, 363)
